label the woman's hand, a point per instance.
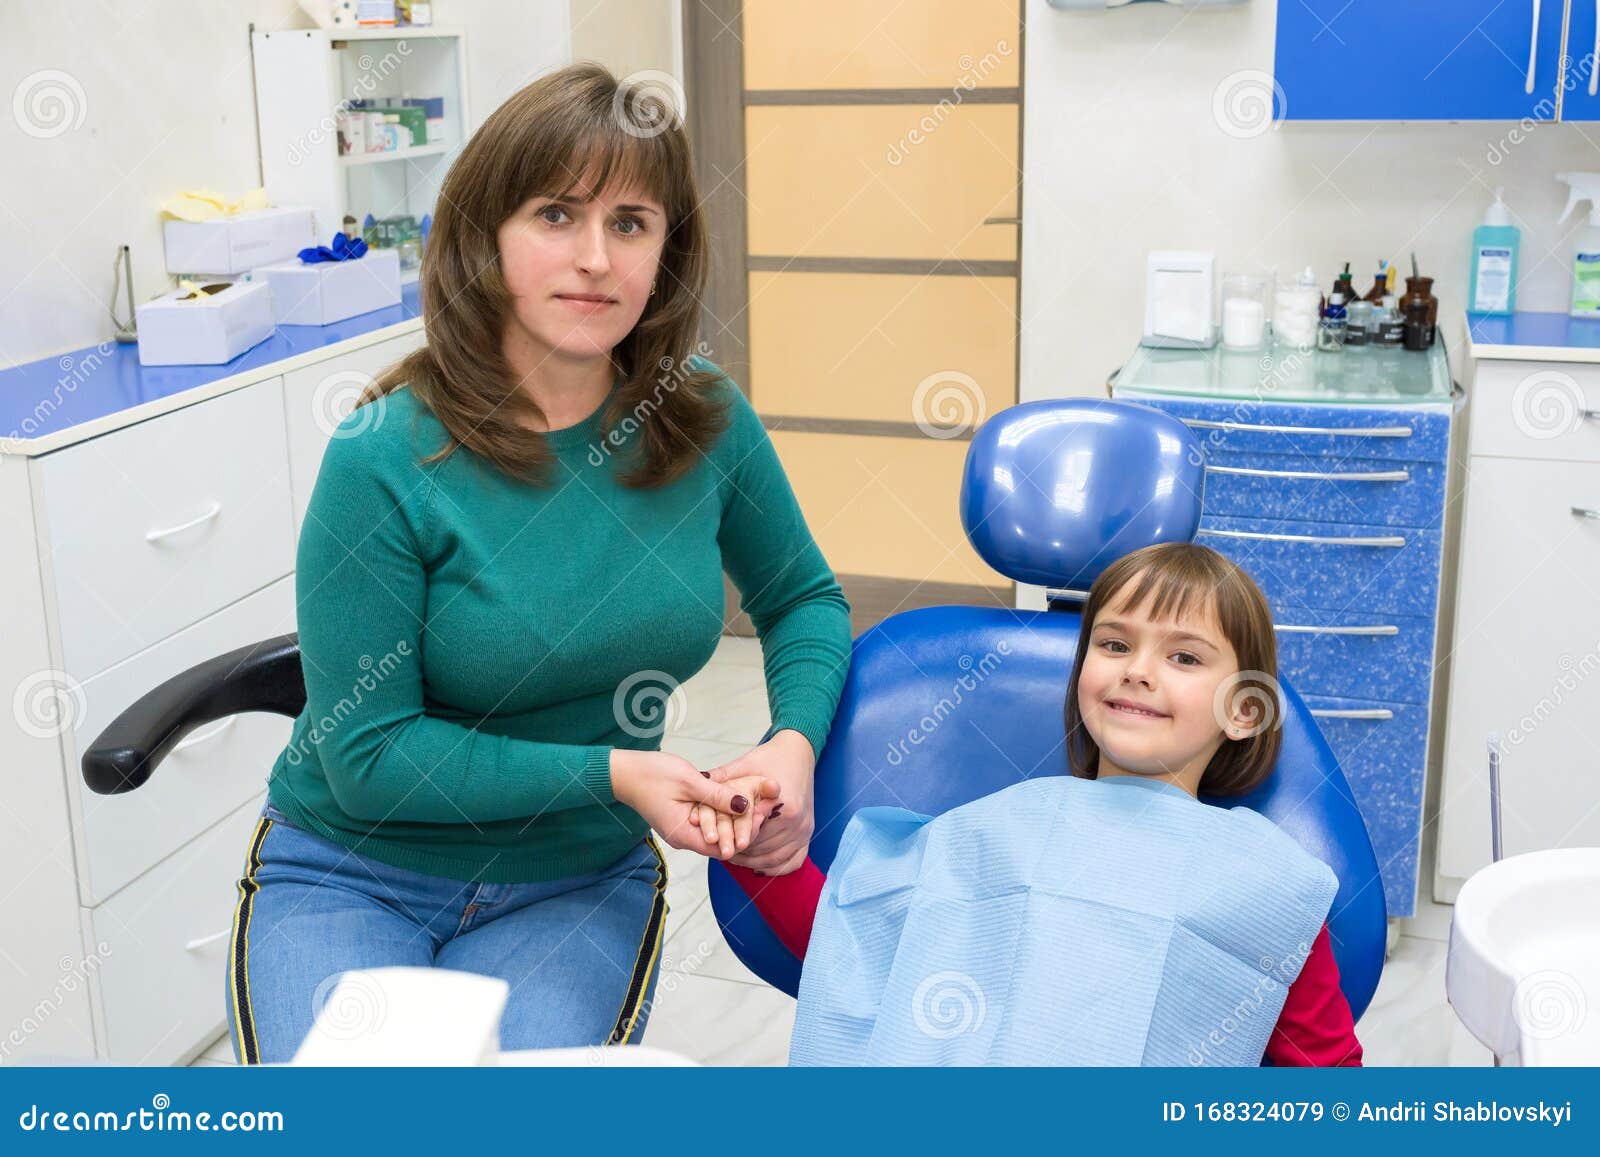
(780, 846)
(666, 790)
(733, 833)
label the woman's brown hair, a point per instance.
(1175, 578)
(573, 124)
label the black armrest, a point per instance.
(264, 676)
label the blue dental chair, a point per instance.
(944, 705)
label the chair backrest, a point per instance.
(944, 705)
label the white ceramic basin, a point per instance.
(1523, 972)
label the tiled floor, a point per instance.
(710, 1007)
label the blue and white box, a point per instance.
(206, 329)
(327, 291)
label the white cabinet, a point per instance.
(132, 556)
(1526, 657)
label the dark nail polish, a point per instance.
(740, 805)
(777, 811)
(707, 774)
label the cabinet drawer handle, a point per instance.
(216, 509)
(1334, 431)
(1533, 48)
(1018, 220)
(1378, 629)
(1585, 512)
(1319, 476)
(196, 740)
(1378, 540)
(1377, 714)
(202, 941)
(1594, 61)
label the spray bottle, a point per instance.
(1586, 255)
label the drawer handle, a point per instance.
(1380, 540)
(216, 509)
(1374, 713)
(197, 740)
(1350, 432)
(1533, 49)
(1318, 476)
(1379, 629)
(1594, 72)
(1585, 512)
(202, 941)
(1002, 220)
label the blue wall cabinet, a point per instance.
(1422, 60)
(1581, 99)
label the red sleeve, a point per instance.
(1315, 1027)
(788, 903)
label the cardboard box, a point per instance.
(207, 329)
(238, 243)
(329, 291)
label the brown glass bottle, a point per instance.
(1420, 309)
(1343, 284)
(1380, 287)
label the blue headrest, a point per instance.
(1056, 491)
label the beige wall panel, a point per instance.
(896, 181)
(859, 345)
(850, 44)
(885, 506)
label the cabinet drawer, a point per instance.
(1317, 489)
(212, 772)
(317, 398)
(1382, 749)
(163, 970)
(1414, 434)
(1536, 410)
(1387, 569)
(154, 527)
(1355, 653)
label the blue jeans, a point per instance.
(579, 953)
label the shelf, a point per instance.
(402, 32)
(357, 159)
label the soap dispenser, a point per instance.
(1495, 249)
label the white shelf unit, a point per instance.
(305, 76)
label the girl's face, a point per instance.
(1147, 689)
(581, 270)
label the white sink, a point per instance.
(1523, 972)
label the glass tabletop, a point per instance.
(1362, 375)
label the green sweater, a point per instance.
(475, 646)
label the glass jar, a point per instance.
(1420, 309)
(1244, 312)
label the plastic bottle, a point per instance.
(1586, 251)
(1496, 247)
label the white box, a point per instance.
(206, 330)
(329, 291)
(238, 243)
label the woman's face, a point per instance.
(581, 270)
(1148, 689)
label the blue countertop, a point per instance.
(44, 398)
(1534, 336)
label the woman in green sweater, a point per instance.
(513, 552)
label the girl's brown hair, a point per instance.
(1175, 577)
(574, 123)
